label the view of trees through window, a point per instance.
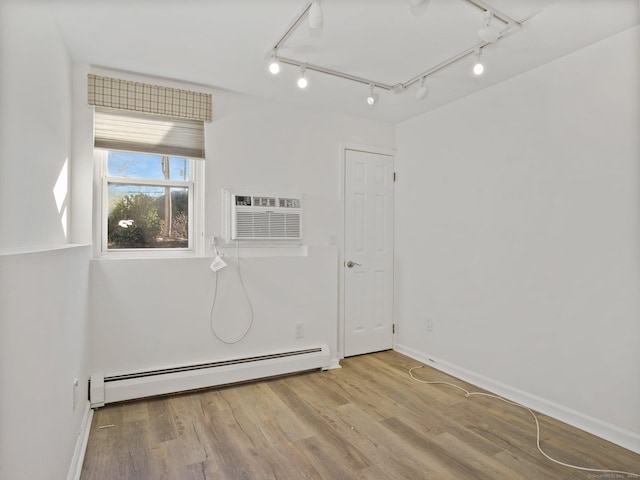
(148, 201)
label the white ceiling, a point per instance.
(223, 44)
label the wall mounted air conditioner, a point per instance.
(266, 217)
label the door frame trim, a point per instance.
(344, 147)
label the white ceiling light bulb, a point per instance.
(423, 90)
(274, 65)
(302, 81)
(315, 17)
(489, 33)
(478, 68)
(372, 98)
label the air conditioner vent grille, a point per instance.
(267, 225)
(267, 217)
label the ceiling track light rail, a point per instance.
(511, 26)
(445, 64)
(335, 73)
(469, 51)
(291, 28)
(498, 15)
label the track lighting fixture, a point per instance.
(372, 98)
(315, 17)
(274, 65)
(302, 81)
(423, 90)
(312, 14)
(489, 33)
(478, 67)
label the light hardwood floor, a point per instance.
(368, 420)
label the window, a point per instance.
(150, 149)
(148, 203)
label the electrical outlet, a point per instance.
(299, 330)
(429, 324)
(75, 393)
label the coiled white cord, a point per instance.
(213, 304)
(469, 394)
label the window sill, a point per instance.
(250, 251)
(145, 255)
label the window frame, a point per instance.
(195, 188)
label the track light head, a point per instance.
(423, 90)
(489, 33)
(478, 67)
(372, 98)
(274, 65)
(315, 17)
(302, 81)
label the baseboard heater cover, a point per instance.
(106, 389)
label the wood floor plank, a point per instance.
(374, 449)
(343, 451)
(400, 452)
(366, 421)
(529, 469)
(288, 455)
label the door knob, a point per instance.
(351, 264)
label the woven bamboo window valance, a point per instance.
(145, 98)
(138, 117)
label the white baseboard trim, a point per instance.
(612, 433)
(75, 469)
(335, 363)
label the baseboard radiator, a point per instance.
(106, 389)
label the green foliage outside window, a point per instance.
(152, 210)
(134, 222)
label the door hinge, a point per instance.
(393, 328)
(395, 176)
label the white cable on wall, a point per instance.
(469, 394)
(246, 295)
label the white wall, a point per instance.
(154, 313)
(43, 349)
(43, 280)
(264, 145)
(518, 226)
(35, 126)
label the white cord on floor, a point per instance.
(213, 304)
(469, 394)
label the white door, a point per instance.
(368, 252)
